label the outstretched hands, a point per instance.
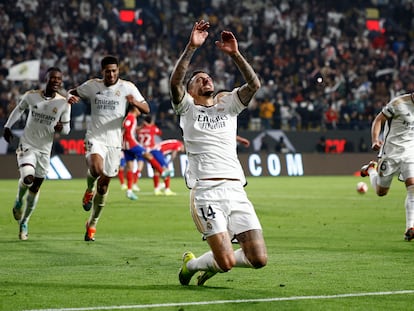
(199, 33)
(228, 43)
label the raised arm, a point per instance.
(229, 45)
(197, 38)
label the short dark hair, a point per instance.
(108, 60)
(148, 118)
(193, 74)
(50, 69)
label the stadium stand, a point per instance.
(323, 64)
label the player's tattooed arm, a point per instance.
(246, 91)
(199, 33)
(177, 77)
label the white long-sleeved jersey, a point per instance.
(44, 113)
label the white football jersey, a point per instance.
(209, 135)
(43, 115)
(108, 109)
(399, 129)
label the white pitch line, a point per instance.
(216, 302)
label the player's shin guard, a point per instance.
(21, 190)
(205, 262)
(241, 259)
(31, 202)
(409, 207)
(98, 204)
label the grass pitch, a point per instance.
(329, 247)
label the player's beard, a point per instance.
(207, 93)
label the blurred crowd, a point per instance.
(321, 68)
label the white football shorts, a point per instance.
(220, 206)
(111, 156)
(28, 155)
(388, 168)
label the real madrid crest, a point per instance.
(209, 226)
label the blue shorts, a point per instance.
(159, 156)
(134, 153)
(123, 162)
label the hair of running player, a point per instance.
(108, 60)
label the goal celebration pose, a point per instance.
(218, 202)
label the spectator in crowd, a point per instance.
(266, 110)
(331, 118)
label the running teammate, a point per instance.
(49, 113)
(392, 136)
(109, 99)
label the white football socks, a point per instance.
(409, 207)
(241, 259)
(31, 202)
(21, 190)
(98, 204)
(373, 175)
(205, 262)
